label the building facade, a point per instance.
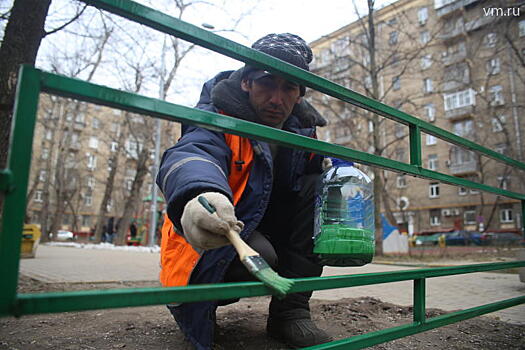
(457, 64)
(76, 148)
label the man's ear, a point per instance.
(245, 85)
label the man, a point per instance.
(263, 191)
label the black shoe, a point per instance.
(296, 333)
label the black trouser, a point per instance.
(284, 240)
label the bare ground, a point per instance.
(240, 325)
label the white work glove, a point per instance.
(206, 230)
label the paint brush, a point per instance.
(255, 264)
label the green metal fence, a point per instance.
(14, 182)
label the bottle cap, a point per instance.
(340, 162)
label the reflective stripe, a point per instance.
(181, 163)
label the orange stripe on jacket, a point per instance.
(177, 256)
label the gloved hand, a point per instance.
(327, 163)
(204, 230)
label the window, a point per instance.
(469, 216)
(80, 118)
(109, 206)
(505, 215)
(496, 95)
(42, 176)
(401, 181)
(115, 127)
(96, 123)
(463, 128)
(370, 126)
(93, 142)
(86, 220)
(399, 130)
(88, 199)
(521, 25)
(497, 123)
(430, 112)
(459, 99)
(432, 161)
(39, 196)
(114, 146)
(129, 184)
(91, 161)
(433, 190)
(501, 148)
(396, 83)
(392, 39)
(473, 178)
(426, 62)
(422, 15)
(424, 37)
(493, 66)
(49, 135)
(45, 153)
(400, 154)
(503, 182)
(427, 85)
(460, 156)
(91, 182)
(431, 140)
(490, 40)
(435, 217)
(133, 148)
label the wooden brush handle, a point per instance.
(242, 248)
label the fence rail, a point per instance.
(14, 183)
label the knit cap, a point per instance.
(287, 47)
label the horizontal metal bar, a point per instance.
(101, 299)
(176, 27)
(384, 335)
(90, 92)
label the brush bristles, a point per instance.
(270, 278)
(264, 273)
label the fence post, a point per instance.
(21, 143)
(419, 300)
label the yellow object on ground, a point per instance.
(30, 239)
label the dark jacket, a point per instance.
(200, 162)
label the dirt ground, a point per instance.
(240, 326)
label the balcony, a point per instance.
(458, 29)
(464, 168)
(453, 6)
(459, 113)
(459, 56)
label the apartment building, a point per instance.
(457, 64)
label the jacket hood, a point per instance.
(228, 96)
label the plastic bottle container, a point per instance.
(344, 220)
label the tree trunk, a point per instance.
(23, 34)
(108, 190)
(134, 196)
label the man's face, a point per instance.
(272, 98)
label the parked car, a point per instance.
(503, 238)
(63, 235)
(427, 240)
(462, 237)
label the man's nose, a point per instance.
(276, 97)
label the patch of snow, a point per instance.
(106, 246)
